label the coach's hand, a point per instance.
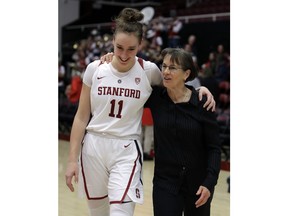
(72, 170)
(204, 194)
(107, 57)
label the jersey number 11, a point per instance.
(112, 110)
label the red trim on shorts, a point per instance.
(128, 185)
(85, 185)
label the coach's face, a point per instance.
(173, 74)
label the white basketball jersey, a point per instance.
(117, 100)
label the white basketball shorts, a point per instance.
(111, 167)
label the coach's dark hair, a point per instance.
(128, 21)
(182, 58)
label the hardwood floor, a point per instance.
(70, 205)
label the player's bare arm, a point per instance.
(77, 133)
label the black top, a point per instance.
(186, 142)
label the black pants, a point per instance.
(168, 204)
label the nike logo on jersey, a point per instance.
(125, 146)
(100, 77)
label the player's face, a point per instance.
(125, 48)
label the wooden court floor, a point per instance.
(70, 205)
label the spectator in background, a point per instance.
(222, 71)
(196, 82)
(160, 30)
(155, 44)
(68, 105)
(61, 79)
(143, 51)
(79, 55)
(207, 76)
(191, 46)
(174, 28)
(73, 90)
(155, 40)
(209, 67)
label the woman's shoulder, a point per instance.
(89, 72)
(147, 65)
(94, 64)
(152, 72)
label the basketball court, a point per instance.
(70, 205)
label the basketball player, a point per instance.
(110, 162)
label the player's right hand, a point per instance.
(72, 170)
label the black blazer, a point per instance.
(186, 142)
